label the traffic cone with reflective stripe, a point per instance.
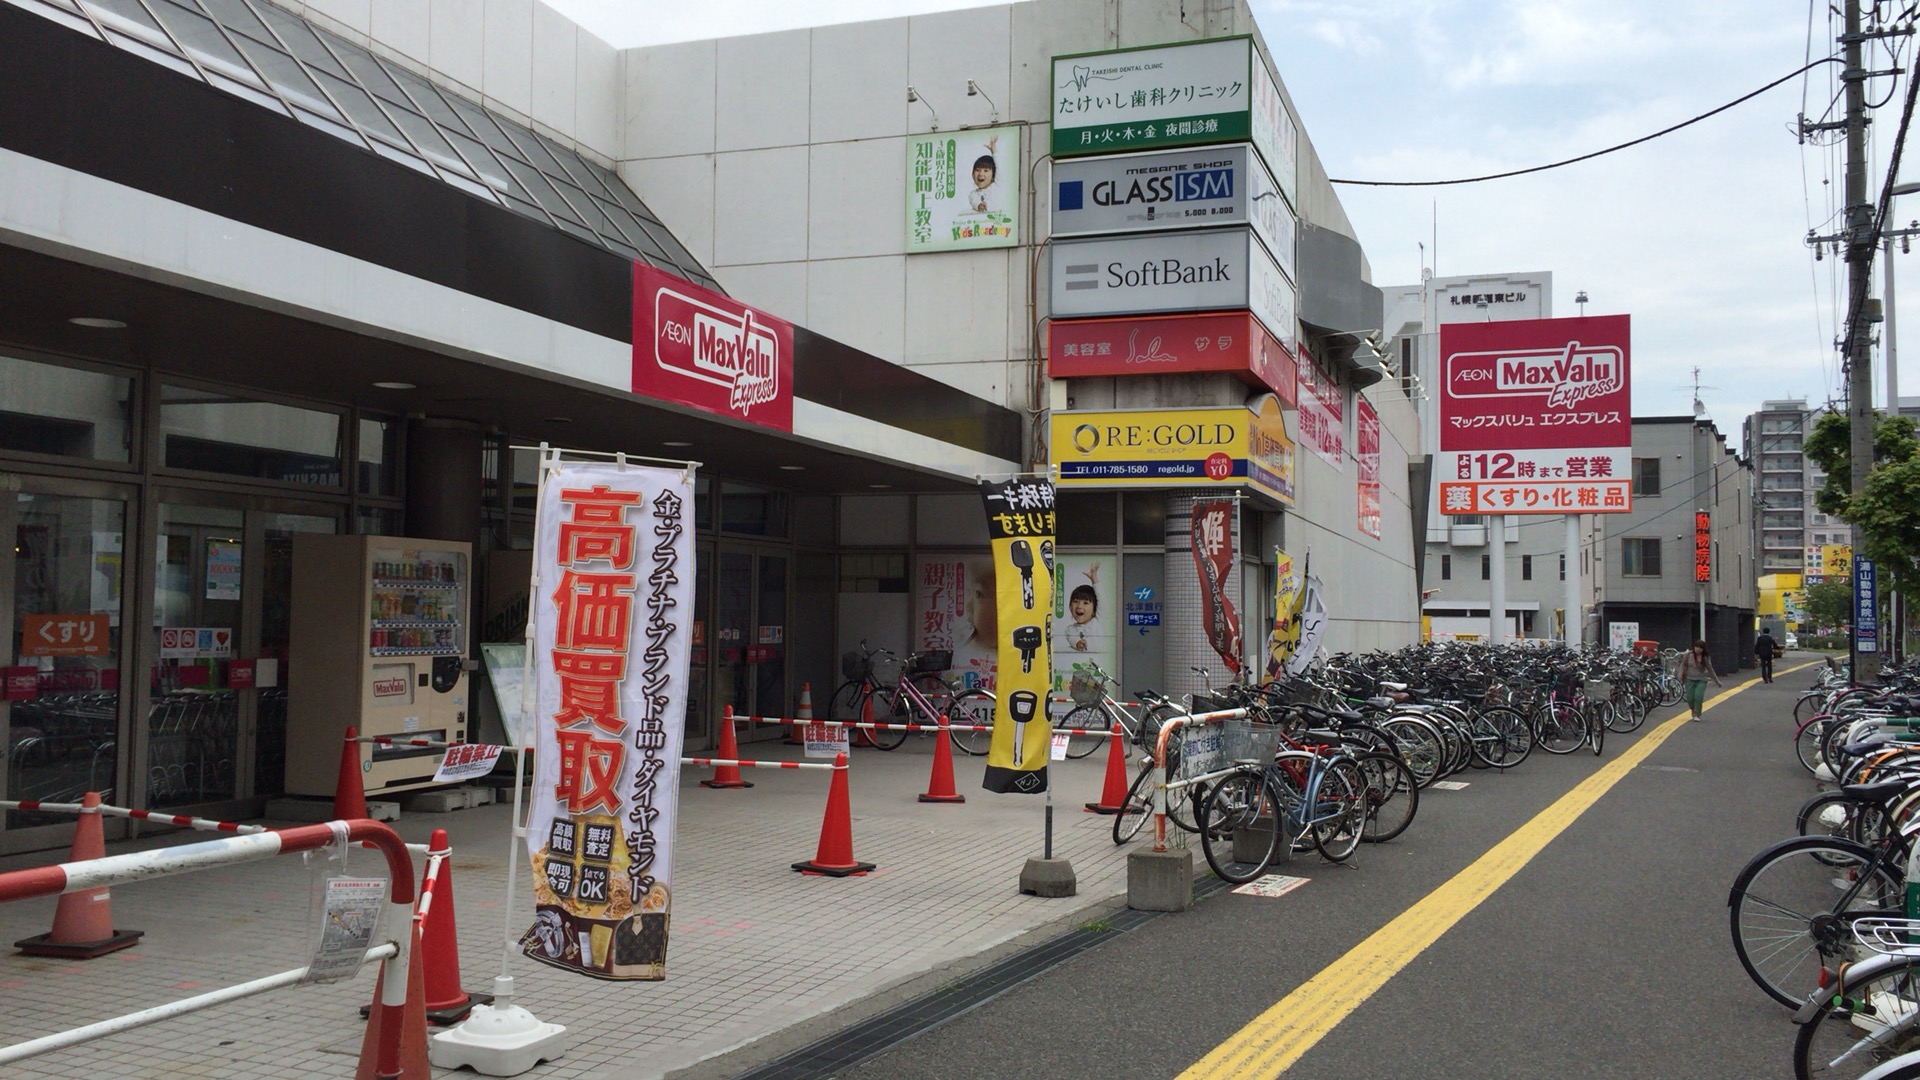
(83, 920)
(398, 1032)
(726, 776)
(1113, 798)
(834, 856)
(940, 781)
(796, 733)
(446, 1002)
(350, 791)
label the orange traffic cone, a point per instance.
(83, 921)
(797, 734)
(446, 1002)
(1113, 798)
(834, 856)
(726, 776)
(940, 781)
(406, 1048)
(350, 792)
(864, 736)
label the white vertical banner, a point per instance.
(613, 544)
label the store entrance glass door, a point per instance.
(61, 588)
(750, 632)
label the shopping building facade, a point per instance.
(341, 268)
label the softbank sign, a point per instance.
(698, 348)
(1215, 270)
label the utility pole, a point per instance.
(1861, 244)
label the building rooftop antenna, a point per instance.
(1699, 405)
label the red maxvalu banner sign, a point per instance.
(696, 347)
(1213, 555)
(1536, 416)
(1231, 341)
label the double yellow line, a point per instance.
(1277, 1038)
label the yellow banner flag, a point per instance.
(1020, 524)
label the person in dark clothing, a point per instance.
(1763, 651)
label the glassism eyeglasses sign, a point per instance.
(1536, 417)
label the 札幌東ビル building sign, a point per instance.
(696, 347)
(963, 189)
(1214, 447)
(1535, 417)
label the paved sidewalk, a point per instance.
(755, 948)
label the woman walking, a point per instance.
(1696, 667)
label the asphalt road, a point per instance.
(1606, 956)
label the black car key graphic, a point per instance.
(1022, 554)
(1027, 639)
(1022, 705)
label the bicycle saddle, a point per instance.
(1867, 745)
(1396, 686)
(1880, 791)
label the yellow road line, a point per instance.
(1277, 1038)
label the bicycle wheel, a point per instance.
(1783, 913)
(971, 707)
(1137, 808)
(1671, 691)
(1502, 738)
(1623, 712)
(844, 705)
(1808, 739)
(1558, 728)
(1596, 714)
(1419, 746)
(1091, 718)
(1239, 829)
(1869, 1020)
(1835, 814)
(1339, 810)
(1811, 703)
(889, 706)
(1392, 797)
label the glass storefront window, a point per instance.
(68, 555)
(193, 724)
(1144, 518)
(379, 453)
(752, 511)
(1085, 519)
(65, 412)
(221, 433)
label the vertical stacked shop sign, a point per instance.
(1172, 282)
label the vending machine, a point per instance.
(379, 641)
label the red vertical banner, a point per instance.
(1366, 452)
(1702, 546)
(1213, 555)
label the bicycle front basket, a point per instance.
(1248, 740)
(934, 660)
(886, 670)
(855, 666)
(1086, 689)
(1599, 690)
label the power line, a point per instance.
(1597, 153)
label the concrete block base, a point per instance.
(1160, 880)
(1250, 841)
(1048, 877)
(296, 809)
(446, 800)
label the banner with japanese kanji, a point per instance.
(1020, 526)
(1284, 638)
(1213, 556)
(612, 615)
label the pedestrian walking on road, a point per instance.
(1763, 647)
(1696, 667)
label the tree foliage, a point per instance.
(1828, 604)
(1887, 508)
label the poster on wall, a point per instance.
(1366, 456)
(613, 544)
(953, 609)
(1020, 525)
(223, 570)
(963, 189)
(1085, 613)
(1322, 414)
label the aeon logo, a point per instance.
(1565, 376)
(721, 347)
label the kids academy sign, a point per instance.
(698, 348)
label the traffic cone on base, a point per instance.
(446, 1002)
(834, 856)
(796, 734)
(411, 1019)
(83, 921)
(726, 776)
(1113, 797)
(940, 781)
(350, 791)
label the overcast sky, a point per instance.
(1698, 235)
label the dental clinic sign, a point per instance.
(1535, 417)
(695, 347)
(1214, 270)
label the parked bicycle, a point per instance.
(883, 687)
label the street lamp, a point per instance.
(1581, 299)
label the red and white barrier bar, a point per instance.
(388, 740)
(742, 764)
(911, 727)
(180, 821)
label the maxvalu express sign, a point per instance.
(1230, 446)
